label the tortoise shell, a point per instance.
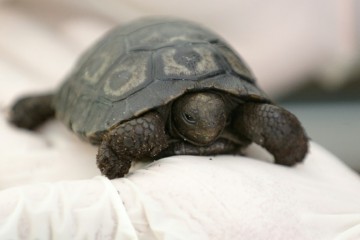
(144, 65)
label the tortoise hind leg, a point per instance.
(275, 129)
(30, 112)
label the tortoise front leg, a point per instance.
(135, 140)
(275, 129)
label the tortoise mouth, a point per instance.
(205, 140)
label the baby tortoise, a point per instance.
(162, 87)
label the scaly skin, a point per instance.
(135, 140)
(146, 137)
(275, 129)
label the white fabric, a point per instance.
(87, 209)
(179, 197)
(231, 197)
(184, 197)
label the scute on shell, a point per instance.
(144, 65)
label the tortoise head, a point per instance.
(199, 117)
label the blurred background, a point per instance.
(304, 53)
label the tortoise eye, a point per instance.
(189, 118)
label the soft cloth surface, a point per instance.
(183, 197)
